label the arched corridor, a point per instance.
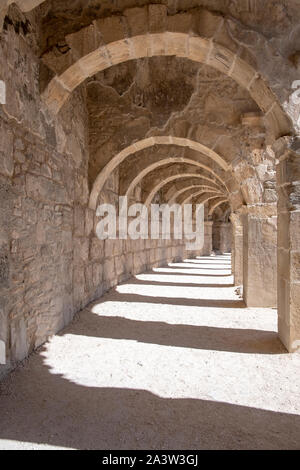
(149, 223)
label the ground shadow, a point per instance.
(210, 338)
(196, 267)
(178, 273)
(202, 261)
(177, 284)
(209, 303)
(41, 407)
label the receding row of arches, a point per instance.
(216, 130)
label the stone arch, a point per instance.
(99, 49)
(26, 5)
(207, 197)
(164, 162)
(183, 190)
(215, 205)
(222, 212)
(157, 187)
(150, 142)
(188, 199)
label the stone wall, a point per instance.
(36, 206)
(51, 263)
(43, 183)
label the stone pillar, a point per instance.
(237, 249)
(225, 237)
(287, 152)
(260, 256)
(207, 249)
(222, 234)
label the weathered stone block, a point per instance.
(79, 220)
(119, 52)
(157, 18)
(84, 41)
(6, 152)
(97, 249)
(208, 23)
(81, 250)
(45, 190)
(112, 28)
(137, 20)
(97, 274)
(109, 273)
(89, 222)
(18, 338)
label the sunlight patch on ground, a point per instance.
(175, 372)
(180, 292)
(22, 445)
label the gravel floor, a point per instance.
(170, 360)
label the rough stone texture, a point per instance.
(237, 249)
(40, 184)
(163, 34)
(288, 180)
(136, 95)
(222, 237)
(173, 100)
(260, 261)
(51, 264)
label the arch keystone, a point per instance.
(158, 44)
(177, 44)
(141, 46)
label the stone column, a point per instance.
(225, 237)
(260, 256)
(237, 249)
(287, 152)
(207, 249)
(222, 237)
